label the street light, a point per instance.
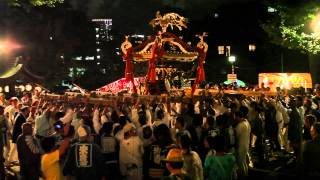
(232, 59)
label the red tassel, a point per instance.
(129, 70)
(151, 76)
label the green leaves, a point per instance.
(290, 26)
(50, 3)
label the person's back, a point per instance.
(157, 151)
(193, 165)
(242, 135)
(50, 166)
(219, 167)
(17, 128)
(84, 159)
(311, 151)
(131, 152)
(110, 154)
(294, 127)
(29, 156)
(42, 125)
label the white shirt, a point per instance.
(42, 125)
(131, 151)
(242, 134)
(10, 110)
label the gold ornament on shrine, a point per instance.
(169, 19)
(174, 48)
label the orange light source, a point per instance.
(7, 46)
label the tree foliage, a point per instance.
(290, 25)
(50, 3)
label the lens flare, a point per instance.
(8, 46)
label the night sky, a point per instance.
(238, 23)
(137, 12)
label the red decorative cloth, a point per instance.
(151, 76)
(200, 71)
(129, 69)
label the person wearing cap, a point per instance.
(174, 163)
(311, 152)
(131, 152)
(84, 160)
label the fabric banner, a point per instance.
(129, 69)
(122, 84)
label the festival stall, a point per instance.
(285, 80)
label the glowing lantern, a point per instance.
(28, 87)
(6, 89)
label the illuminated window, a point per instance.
(228, 49)
(220, 49)
(252, 47)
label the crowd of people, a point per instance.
(134, 138)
